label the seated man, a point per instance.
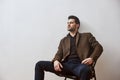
(76, 52)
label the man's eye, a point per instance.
(71, 22)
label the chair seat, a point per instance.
(70, 76)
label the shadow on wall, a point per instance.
(84, 27)
(107, 67)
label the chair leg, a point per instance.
(65, 78)
(76, 79)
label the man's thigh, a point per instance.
(46, 65)
(75, 68)
(68, 68)
(81, 69)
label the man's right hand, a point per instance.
(57, 65)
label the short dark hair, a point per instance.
(77, 21)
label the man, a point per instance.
(76, 52)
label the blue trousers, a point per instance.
(71, 67)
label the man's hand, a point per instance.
(87, 61)
(57, 66)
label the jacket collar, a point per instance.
(77, 37)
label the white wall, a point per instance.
(30, 30)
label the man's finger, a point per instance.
(61, 66)
(84, 61)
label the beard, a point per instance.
(71, 29)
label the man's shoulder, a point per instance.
(65, 37)
(86, 34)
(82, 34)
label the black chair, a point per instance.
(92, 75)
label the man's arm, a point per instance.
(97, 48)
(58, 56)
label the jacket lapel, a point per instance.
(68, 41)
(77, 38)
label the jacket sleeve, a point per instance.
(96, 46)
(58, 56)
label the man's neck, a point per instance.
(73, 33)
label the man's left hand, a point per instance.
(87, 61)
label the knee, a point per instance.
(38, 64)
(85, 69)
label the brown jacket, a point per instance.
(87, 46)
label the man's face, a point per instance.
(71, 25)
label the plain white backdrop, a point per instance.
(30, 30)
